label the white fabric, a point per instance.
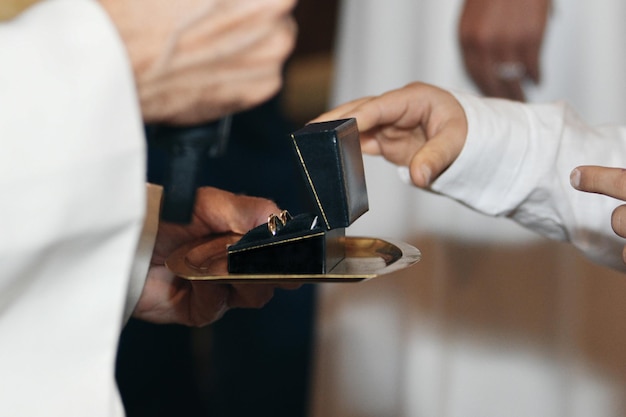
(143, 254)
(451, 336)
(72, 187)
(537, 146)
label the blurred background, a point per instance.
(493, 321)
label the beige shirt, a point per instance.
(10, 9)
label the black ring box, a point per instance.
(329, 155)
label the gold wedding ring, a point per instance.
(275, 222)
(284, 217)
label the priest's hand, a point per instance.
(501, 44)
(199, 60)
(610, 182)
(170, 299)
(419, 126)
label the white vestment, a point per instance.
(72, 187)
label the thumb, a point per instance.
(437, 155)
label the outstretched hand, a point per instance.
(170, 299)
(610, 182)
(419, 126)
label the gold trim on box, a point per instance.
(308, 177)
(279, 242)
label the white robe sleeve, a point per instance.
(516, 163)
(143, 254)
(72, 200)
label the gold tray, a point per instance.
(366, 258)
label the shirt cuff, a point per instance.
(505, 155)
(145, 246)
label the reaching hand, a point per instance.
(419, 126)
(170, 299)
(501, 43)
(610, 182)
(198, 60)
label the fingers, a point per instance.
(250, 295)
(419, 125)
(212, 301)
(235, 71)
(368, 144)
(618, 221)
(494, 76)
(600, 180)
(403, 108)
(399, 111)
(199, 60)
(438, 152)
(607, 181)
(529, 56)
(341, 111)
(215, 211)
(205, 303)
(221, 211)
(255, 295)
(383, 130)
(169, 299)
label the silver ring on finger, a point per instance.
(510, 71)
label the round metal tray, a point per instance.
(366, 258)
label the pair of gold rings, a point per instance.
(275, 222)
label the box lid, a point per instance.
(332, 164)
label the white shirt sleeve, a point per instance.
(516, 163)
(72, 200)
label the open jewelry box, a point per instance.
(308, 246)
